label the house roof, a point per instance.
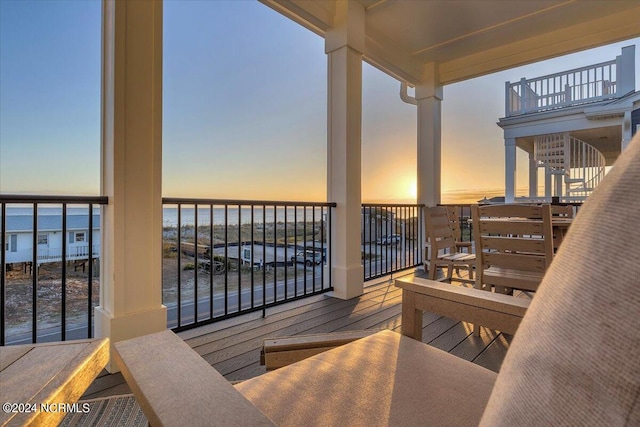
(22, 223)
(466, 39)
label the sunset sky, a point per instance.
(244, 108)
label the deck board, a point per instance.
(473, 346)
(492, 356)
(453, 336)
(232, 346)
(436, 329)
(316, 321)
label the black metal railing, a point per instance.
(391, 238)
(42, 238)
(222, 258)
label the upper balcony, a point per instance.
(600, 82)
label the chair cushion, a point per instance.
(575, 359)
(384, 379)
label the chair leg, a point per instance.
(432, 270)
(450, 272)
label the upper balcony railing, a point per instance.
(568, 88)
(606, 80)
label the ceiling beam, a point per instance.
(316, 16)
(586, 35)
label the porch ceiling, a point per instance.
(466, 39)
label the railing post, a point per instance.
(625, 71)
(566, 176)
(524, 96)
(507, 99)
(3, 216)
(567, 93)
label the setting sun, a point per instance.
(412, 190)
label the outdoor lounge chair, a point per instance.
(560, 211)
(443, 249)
(514, 245)
(573, 361)
(454, 220)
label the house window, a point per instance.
(43, 239)
(77, 237)
(12, 243)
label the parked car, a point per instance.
(307, 257)
(392, 239)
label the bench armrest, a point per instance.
(495, 311)
(174, 385)
(283, 351)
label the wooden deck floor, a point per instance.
(233, 346)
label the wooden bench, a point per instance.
(283, 351)
(495, 311)
(41, 377)
(175, 386)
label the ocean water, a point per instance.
(234, 215)
(231, 215)
(48, 211)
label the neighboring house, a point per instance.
(573, 125)
(49, 239)
(492, 201)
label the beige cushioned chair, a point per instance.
(575, 359)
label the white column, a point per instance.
(547, 183)
(627, 133)
(533, 176)
(131, 175)
(344, 44)
(429, 100)
(559, 183)
(510, 170)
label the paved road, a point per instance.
(187, 308)
(377, 267)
